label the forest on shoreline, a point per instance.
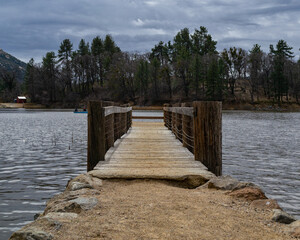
(186, 69)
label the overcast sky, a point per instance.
(30, 28)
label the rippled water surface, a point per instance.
(41, 150)
(264, 148)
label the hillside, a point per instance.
(9, 63)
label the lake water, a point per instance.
(41, 150)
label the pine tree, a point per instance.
(64, 58)
(255, 67)
(280, 55)
(29, 80)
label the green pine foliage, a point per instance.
(185, 69)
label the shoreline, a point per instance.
(93, 208)
(260, 107)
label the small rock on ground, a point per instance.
(282, 217)
(249, 193)
(227, 183)
(31, 234)
(74, 186)
(85, 203)
(265, 204)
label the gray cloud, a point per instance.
(30, 28)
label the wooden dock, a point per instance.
(150, 151)
(185, 147)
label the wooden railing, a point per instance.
(199, 127)
(106, 124)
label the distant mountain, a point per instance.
(11, 64)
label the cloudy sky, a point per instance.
(30, 28)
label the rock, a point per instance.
(95, 182)
(193, 177)
(85, 203)
(74, 186)
(265, 204)
(63, 206)
(84, 181)
(73, 207)
(249, 193)
(227, 183)
(241, 185)
(37, 215)
(282, 217)
(61, 215)
(194, 181)
(31, 234)
(223, 183)
(49, 222)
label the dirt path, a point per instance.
(142, 209)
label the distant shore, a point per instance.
(22, 105)
(261, 106)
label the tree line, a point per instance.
(187, 68)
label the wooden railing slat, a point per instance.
(189, 111)
(114, 109)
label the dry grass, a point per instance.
(144, 209)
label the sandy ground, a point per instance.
(144, 209)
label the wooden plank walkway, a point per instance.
(150, 151)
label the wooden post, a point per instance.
(208, 135)
(96, 134)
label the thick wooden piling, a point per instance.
(96, 134)
(208, 135)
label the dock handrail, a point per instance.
(106, 124)
(199, 127)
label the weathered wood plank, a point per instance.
(113, 109)
(149, 150)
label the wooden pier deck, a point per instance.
(150, 151)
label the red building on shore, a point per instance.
(21, 99)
